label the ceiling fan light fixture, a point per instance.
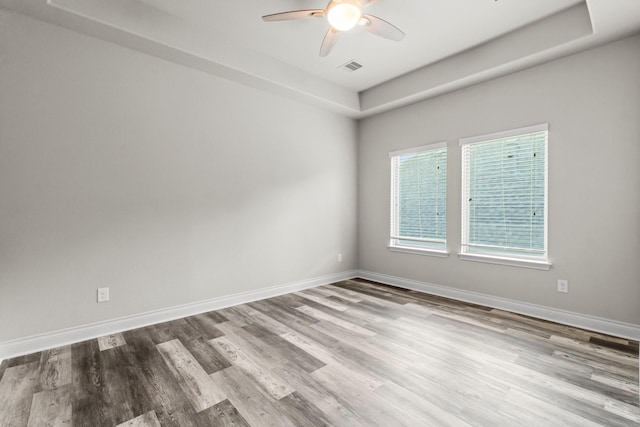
(343, 15)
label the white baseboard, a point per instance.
(34, 343)
(592, 323)
(31, 344)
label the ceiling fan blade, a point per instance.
(294, 14)
(329, 41)
(382, 28)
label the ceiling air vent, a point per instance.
(351, 66)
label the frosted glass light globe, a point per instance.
(344, 16)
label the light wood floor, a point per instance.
(350, 354)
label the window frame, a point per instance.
(523, 260)
(394, 238)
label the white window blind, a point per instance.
(419, 198)
(505, 194)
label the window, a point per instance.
(504, 197)
(419, 200)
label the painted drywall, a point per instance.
(591, 101)
(163, 183)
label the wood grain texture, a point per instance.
(223, 414)
(257, 371)
(51, 408)
(354, 353)
(16, 394)
(148, 419)
(201, 391)
(91, 398)
(153, 383)
(111, 341)
(55, 368)
(255, 405)
(3, 367)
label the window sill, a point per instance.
(514, 262)
(417, 251)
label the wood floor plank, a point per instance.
(201, 391)
(354, 353)
(322, 316)
(90, 396)
(16, 393)
(257, 371)
(381, 293)
(284, 348)
(347, 316)
(165, 332)
(216, 316)
(154, 385)
(235, 316)
(255, 349)
(610, 353)
(330, 404)
(123, 397)
(366, 315)
(301, 411)
(323, 300)
(328, 292)
(370, 299)
(629, 412)
(269, 323)
(148, 419)
(23, 360)
(3, 367)
(197, 344)
(615, 343)
(599, 364)
(574, 398)
(303, 342)
(51, 408)
(340, 289)
(596, 413)
(448, 394)
(55, 368)
(417, 407)
(327, 357)
(361, 400)
(111, 341)
(347, 355)
(372, 348)
(540, 326)
(622, 384)
(254, 405)
(288, 300)
(577, 375)
(524, 377)
(473, 341)
(223, 414)
(288, 315)
(544, 411)
(205, 325)
(103, 388)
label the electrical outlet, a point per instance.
(103, 294)
(563, 286)
(339, 257)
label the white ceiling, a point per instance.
(448, 43)
(434, 30)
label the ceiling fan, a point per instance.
(343, 15)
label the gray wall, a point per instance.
(163, 183)
(592, 103)
(172, 186)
